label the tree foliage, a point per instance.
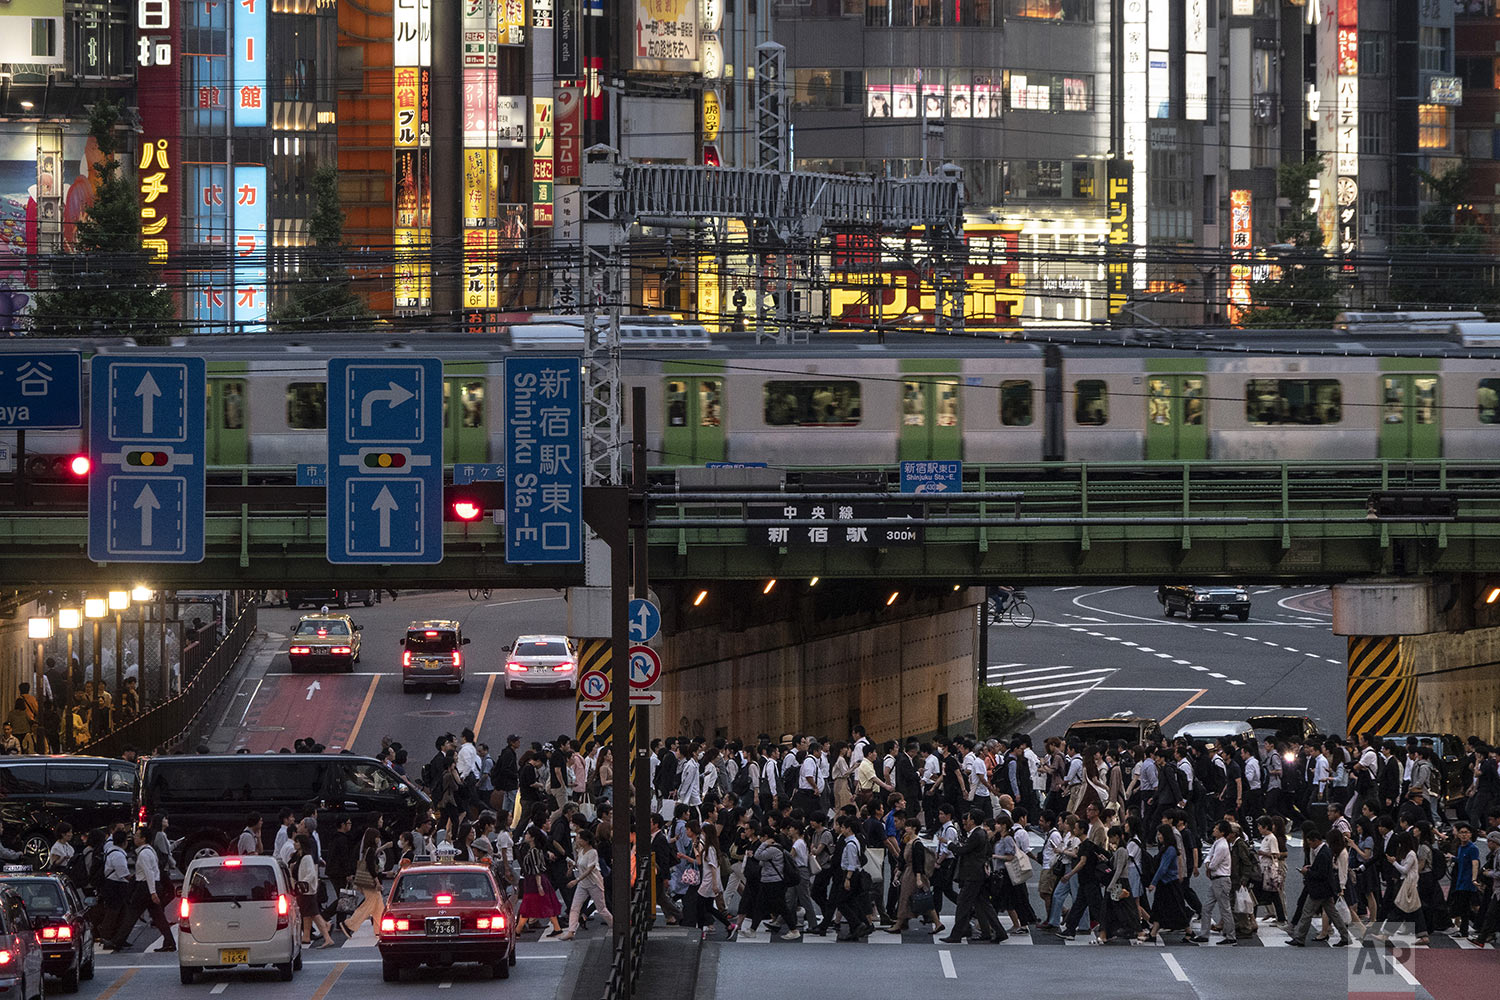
(1303, 291)
(108, 283)
(323, 296)
(1438, 263)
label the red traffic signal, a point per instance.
(466, 509)
(79, 466)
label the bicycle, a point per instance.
(479, 593)
(1018, 611)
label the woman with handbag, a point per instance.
(916, 899)
(305, 865)
(367, 881)
(538, 899)
(1010, 875)
(1120, 909)
(1168, 911)
(1270, 857)
(1402, 854)
(710, 889)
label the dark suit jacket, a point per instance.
(908, 782)
(972, 850)
(507, 774)
(1322, 880)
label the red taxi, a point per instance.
(443, 914)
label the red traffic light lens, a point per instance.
(79, 465)
(466, 510)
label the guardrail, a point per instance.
(155, 730)
(630, 951)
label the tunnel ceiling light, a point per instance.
(94, 607)
(39, 628)
(119, 600)
(892, 599)
(1492, 596)
(814, 581)
(770, 586)
(702, 596)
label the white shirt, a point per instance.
(809, 778)
(769, 776)
(1185, 768)
(1218, 858)
(1075, 771)
(1320, 770)
(60, 854)
(978, 774)
(1252, 773)
(147, 868)
(857, 753)
(285, 849)
(468, 760)
(688, 790)
(1050, 848)
(1370, 760)
(932, 768)
(1035, 763)
(116, 865)
(947, 835)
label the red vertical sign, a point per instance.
(157, 52)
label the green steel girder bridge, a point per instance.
(1014, 524)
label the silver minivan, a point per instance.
(238, 912)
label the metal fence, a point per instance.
(160, 728)
(630, 952)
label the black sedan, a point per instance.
(57, 913)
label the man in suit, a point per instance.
(1389, 782)
(1322, 887)
(909, 779)
(972, 849)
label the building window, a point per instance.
(812, 404)
(1373, 46)
(1015, 403)
(1435, 49)
(1077, 11)
(1372, 132)
(307, 405)
(1435, 126)
(1294, 401)
(43, 37)
(1090, 402)
(1373, 208)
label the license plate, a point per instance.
(442, 925)
(1223, 607)
(234, 956)
(433, 665)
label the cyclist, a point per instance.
(1002, 597)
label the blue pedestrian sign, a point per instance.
(312, 474)
(40, 391)
(146, 443)
(478, 472)
(932, 477)
(645, 620)
(543, 460)
(385, 461)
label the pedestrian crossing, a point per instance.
(1046, 687)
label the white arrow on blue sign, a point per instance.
(645, 620)
(385, 461)
(146, 443)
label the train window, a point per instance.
(1425, 390)
(1294, 401)
(307, 405)
(1394, 401)
(947, 402)
(676, 404)
(1192, 401)
(470, 402)
(234, 405)
(1091, 402)
(812, 404)
(708, 404)
(1015, 403)
(1159, 401)
(913, 404)
(1489, 401)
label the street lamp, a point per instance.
(141, 594)
(68, 619)
(39, 629)
(119, 600)
(95, 608)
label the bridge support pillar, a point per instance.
(1424, 655)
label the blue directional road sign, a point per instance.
(312, 474)
(932, 477)
(543, 460)
(40, 391)
(478, 472)
(645, 620)
(146, 431)
(385, 461)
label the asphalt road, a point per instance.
(1095, 652)
(275, 705)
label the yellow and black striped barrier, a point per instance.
(1382, 694)
(593, 654)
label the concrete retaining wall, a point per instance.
(894, 673)
(1465, 702)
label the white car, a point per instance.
(541, 663)
(1214, 731)
(238, 912)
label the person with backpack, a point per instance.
(972, 851)
(776, 875)
(847, 890)
(114, 891)
(918, 863)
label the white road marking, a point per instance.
(1216, 675)
(1061, 590)
(1097, 635)
(1002, 666)
(429, 696)
(445, 985)
(1404, 972)
(525, 600)
(1177, 972)
(218, 988)
(1249, 708)
(1076, 678)
(1332, 660)
(1126, 642)
(1289, 649)
(1200, 669)
(1238, 683)
(1267, 590)
(1086, 618)
(1147, 649)
(1147, 690)
(1165, 656)
(1182, 663)
(945, 959)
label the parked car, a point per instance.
(21, 950)
(541, 663)
(442, 914)
(1205, 599)
(1213, 731)
(59, 917)
(330, 597)
(433, 654)
(320, 640)
(38, 793)
(1291, 728)
(1129, 729)
(209, 796)
(1450, 762)
(238, 912)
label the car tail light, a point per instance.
(495, 923)
(232, 862)
(442, 899)
(300, 650)
(403, 925)
(6, 956)
(387, 924)
(430, 634)
(458, 658)
(406, 658)
(342, 649)
(563, 666)
(283, 911)
(182, 916)
(514, 667)
(56, 934)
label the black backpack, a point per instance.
(741, 783)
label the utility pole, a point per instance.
(641, 762)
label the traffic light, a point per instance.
(79, 466)
(147, 458)
(384, 460)
(466, 509)
(58, 468)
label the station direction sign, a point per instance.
(833, 529)
(41, 391)
(146, 445)
(543, 460)
(385, 461)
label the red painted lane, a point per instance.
(1450, 974)
(282, 712)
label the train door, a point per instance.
(227, 431)
(1176, 418)
(1410, 418)
(930, 426)
(465, 438)
(693, 426)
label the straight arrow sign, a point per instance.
(148, 391)
(312, 689)
(146, 502)
(383, 505)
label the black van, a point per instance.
(208, 797)
(39, 793)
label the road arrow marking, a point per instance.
(147, 392)
(384, 504)
(394, 395)
(312, 689)
(146, 502)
